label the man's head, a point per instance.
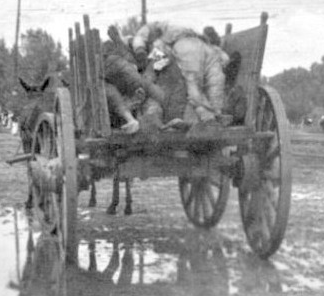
(211, 36)
(160, 55)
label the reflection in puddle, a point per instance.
(192, 263)
(157, 267)
(16, 240)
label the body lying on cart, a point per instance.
(76, 143)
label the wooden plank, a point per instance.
(19, 158)
(251, 45)
(103, 111)
(91, 73)
(158, 166)
(73, 82)
(176, 163)
(81, 110)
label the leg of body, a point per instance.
(115, 196)
(191, 57)
(128, 208)
(93, 193)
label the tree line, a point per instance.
(39, 55)
(301, 90)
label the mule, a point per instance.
(38, 102)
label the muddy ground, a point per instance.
(156, 251)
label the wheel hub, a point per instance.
(247, 172)
(47, 175)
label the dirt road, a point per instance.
(156, 251)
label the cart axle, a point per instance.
(19, 158)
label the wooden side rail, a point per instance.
(250, 44)
(87, 89)
(208, 137)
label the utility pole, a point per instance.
(16, 42)
(144, 12)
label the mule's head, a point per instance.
(38, 99)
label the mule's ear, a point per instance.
(26, 87)
(45, 84)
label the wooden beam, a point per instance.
(80, 68)
(103, 112)
(163, 166)
(19, 158)
(212, 136)
(91, 75)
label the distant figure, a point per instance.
(307, 121)
(321, 122)
(14, 126)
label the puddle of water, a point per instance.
(14, 235)
(193, 264)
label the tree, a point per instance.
(294, 86)
(40, 55)
(6, 73)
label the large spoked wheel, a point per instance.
(66, 151)
(265, 207)
(53, 172)
(204, 199)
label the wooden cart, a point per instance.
(77, 141)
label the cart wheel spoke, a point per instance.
(47, 140)
(269, 119)
(272, 171)
(206, 202)
(198, 204)
(261, 110)
(191, 192)
(210, 194)
(273, 153)
(40, 141)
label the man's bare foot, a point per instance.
(176, 123)
(204, 115)
(131, 127)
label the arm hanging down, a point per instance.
(118, 106)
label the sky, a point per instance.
(296, 27)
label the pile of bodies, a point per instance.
(165, 77)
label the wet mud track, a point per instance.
(156, 251)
